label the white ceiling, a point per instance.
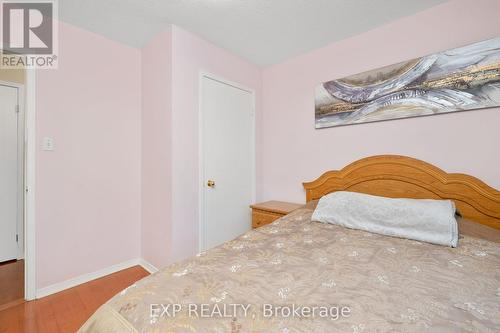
(264, 32)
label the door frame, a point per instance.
(26, 102)
(201, 153)
(29, 183)
(21, 137)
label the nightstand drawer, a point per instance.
(261, 217)
(266, 212)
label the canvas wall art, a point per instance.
(460, 79)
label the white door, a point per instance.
(227, 143)
(9, 172)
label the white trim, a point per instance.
(201, 156)
(21, 129)
(73, 282)
(148, 266)
(29, 179)
(201, 169)
(12, 84)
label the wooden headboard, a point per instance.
(405, 177)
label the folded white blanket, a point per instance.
(425, 220)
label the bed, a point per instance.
(296, 275)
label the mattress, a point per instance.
(296, 275)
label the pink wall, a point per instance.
(191, 55)
(88, 188)
(122, 182)
(110, 156)
(156, 150)
(292, 151)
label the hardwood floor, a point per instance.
(11, 282)
(67, 310)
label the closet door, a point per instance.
(228, 161)
(9, 172)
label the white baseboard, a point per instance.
(148, 266)
(73, 282)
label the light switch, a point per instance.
(48, 144)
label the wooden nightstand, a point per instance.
(269, 211)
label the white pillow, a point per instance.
(426, 220)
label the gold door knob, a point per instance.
(211, 183)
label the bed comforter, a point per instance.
(367, 283)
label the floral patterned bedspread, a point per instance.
(272, 278)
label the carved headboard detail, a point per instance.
(405, 177)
